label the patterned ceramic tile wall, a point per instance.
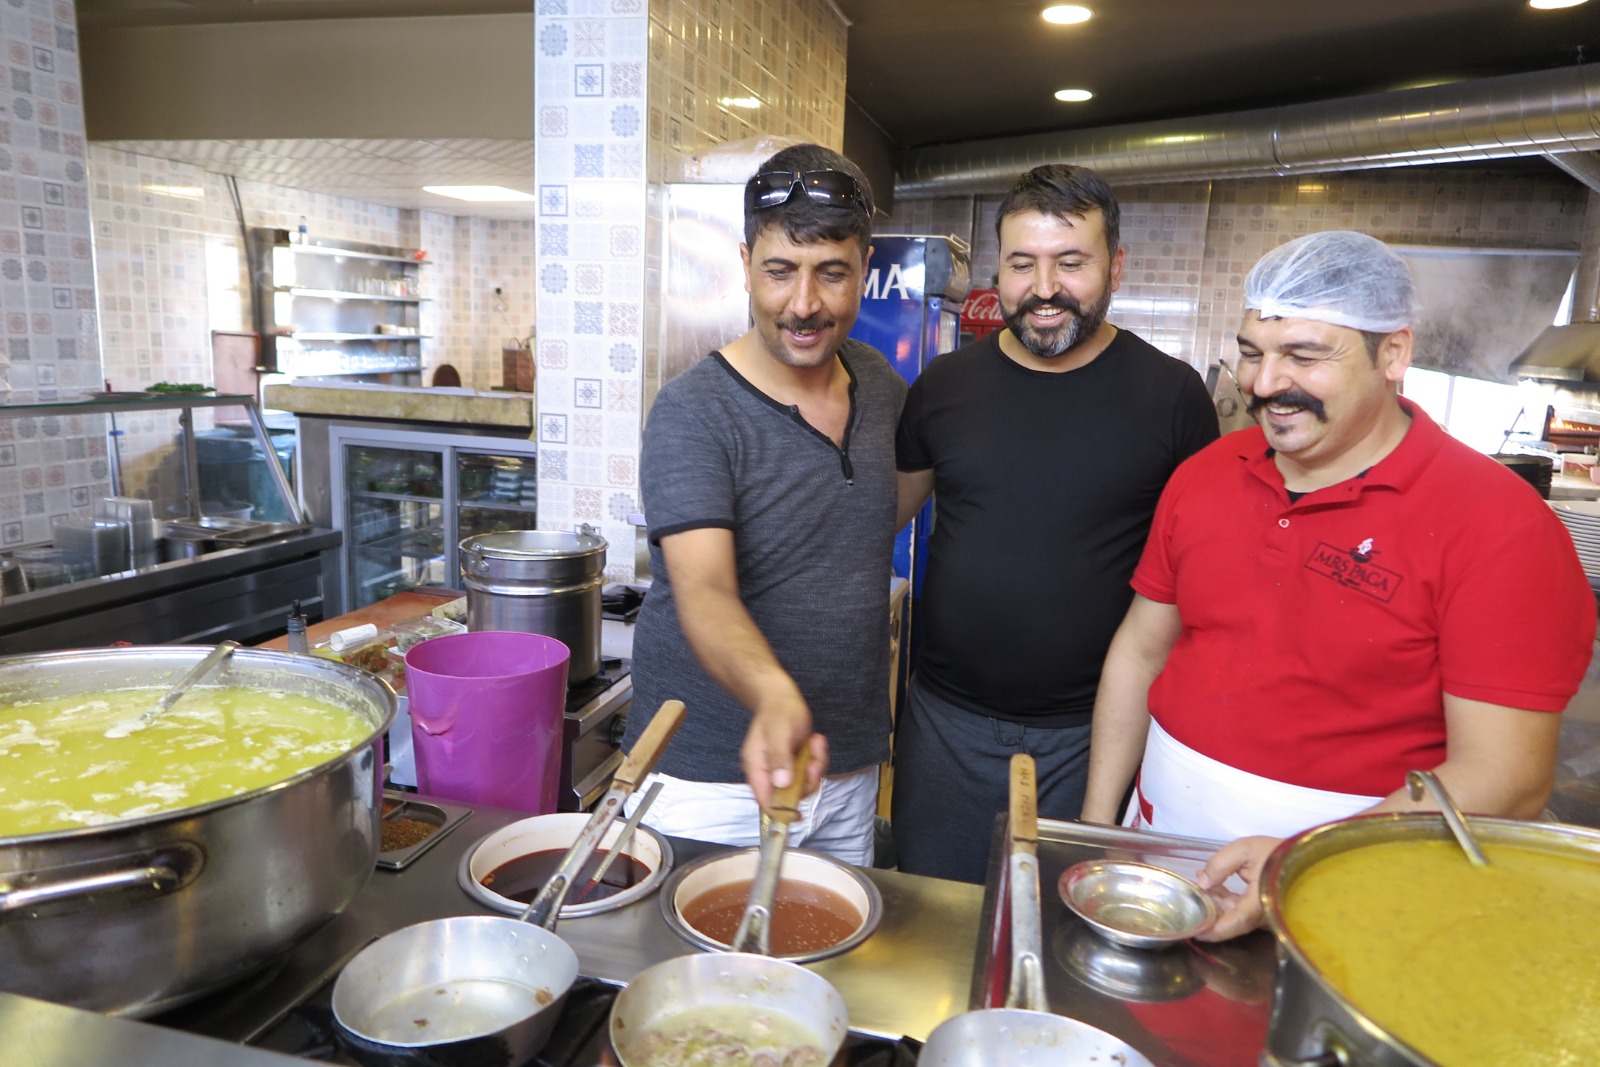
(622, 93)
(589, 75)
(51, 466)
(1190, 244)
(727, 70)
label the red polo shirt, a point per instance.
(1319, 636)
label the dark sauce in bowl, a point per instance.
(521, 879)
(806, 917)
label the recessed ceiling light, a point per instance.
(1073, 96)
(1552, 5)
(1066, 14)
(481, 193)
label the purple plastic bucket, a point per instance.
(486, 716)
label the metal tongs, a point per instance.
(542, 910)
(755, 926)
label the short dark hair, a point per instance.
(805, 221)
(1062, 189)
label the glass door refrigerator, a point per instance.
(405, 500)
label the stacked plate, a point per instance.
(1582, 519)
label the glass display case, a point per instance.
(168, 540)
(406, 500)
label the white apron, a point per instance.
(1180, 791)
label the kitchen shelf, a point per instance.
(319, 336)
(336, 308)
(500, 505)
(373, 494)
(424, 544)
(340, 294)
(349, 253)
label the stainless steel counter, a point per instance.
(912, 974)
(1190, 1005)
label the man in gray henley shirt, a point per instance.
(769, 484)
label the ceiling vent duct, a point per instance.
(1550, 111)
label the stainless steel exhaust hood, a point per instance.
(1547, 111)
(1565, 353)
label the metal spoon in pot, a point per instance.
(1416, 782)
(171, 697)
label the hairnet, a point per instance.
(1339, 277)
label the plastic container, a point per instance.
(486, 718)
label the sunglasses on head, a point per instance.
(830, 187)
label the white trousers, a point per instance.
(839, 818)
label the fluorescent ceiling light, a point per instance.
(1552, 5)
(739, 101)
(1073, 96)
(1066, 14)
(182, 192)
(480, 193)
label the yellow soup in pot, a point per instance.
(83, 760)
(1498, 967)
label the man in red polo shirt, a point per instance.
(1335, 597)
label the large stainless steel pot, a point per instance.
(135, 916)
(1313, 1025)
(539, 582)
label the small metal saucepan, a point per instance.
(480, 988)
(1024, 1033)
(743, 999)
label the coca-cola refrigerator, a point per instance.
(912, 313)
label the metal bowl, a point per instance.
(1136, 904)
(720, 868)
(543, 832)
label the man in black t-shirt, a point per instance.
(1045, 446)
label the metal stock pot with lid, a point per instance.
(140, 914)
(539, 582)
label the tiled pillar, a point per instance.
(589, 77)
(50, 466)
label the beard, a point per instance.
(1076, 327)
(1290, 398)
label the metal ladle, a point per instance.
(197, 672)
(1416, 783)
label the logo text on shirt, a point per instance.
(1353, 571)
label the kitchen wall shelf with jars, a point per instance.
(336, 307)
(405, 500)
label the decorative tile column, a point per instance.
(589, 78)
(52, 466)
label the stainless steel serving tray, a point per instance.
(442, 817)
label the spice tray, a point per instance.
(440, 819)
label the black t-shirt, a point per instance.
(1044, 487)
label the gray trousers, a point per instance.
(952, 772)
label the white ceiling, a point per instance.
(387, 172)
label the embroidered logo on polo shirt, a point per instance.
(1353, 568)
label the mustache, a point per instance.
(1292, 397)
(809, 324)
(1060, 301)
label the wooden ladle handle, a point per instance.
(1024, 805)
(650, 745)
(785, 806)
